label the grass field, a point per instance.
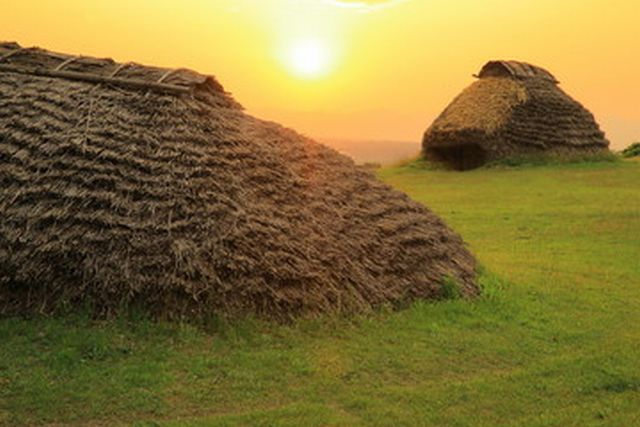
(554, 340)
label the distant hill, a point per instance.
(367, 151)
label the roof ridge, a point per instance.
(515, 69)
(41, 62)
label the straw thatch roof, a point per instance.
(124, 184)
(513, 109)
(515, 69)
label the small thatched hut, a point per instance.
(514, 109)
(123, 184)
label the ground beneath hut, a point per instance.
(458, 157)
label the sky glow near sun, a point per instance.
(367, 6)
(312, 58)
(312, 54)
(309, 58)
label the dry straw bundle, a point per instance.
(161, 191)
(514, 109)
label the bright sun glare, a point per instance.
(309, 58)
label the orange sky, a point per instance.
(357, 69)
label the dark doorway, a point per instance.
(458, 157)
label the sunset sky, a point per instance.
(356, 69)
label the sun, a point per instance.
(309, 58)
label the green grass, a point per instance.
(523, 160)
(553, 341)
(632, 150)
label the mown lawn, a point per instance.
(554, 341)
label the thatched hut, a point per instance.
(513, 110)
(124, 184)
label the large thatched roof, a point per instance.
(513, 109)
(130, 184)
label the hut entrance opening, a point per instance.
(459, 157)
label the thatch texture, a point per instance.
(485, 106)
(184, 204)
(515, 69)
(514, 109)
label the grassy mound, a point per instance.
(632, 151)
